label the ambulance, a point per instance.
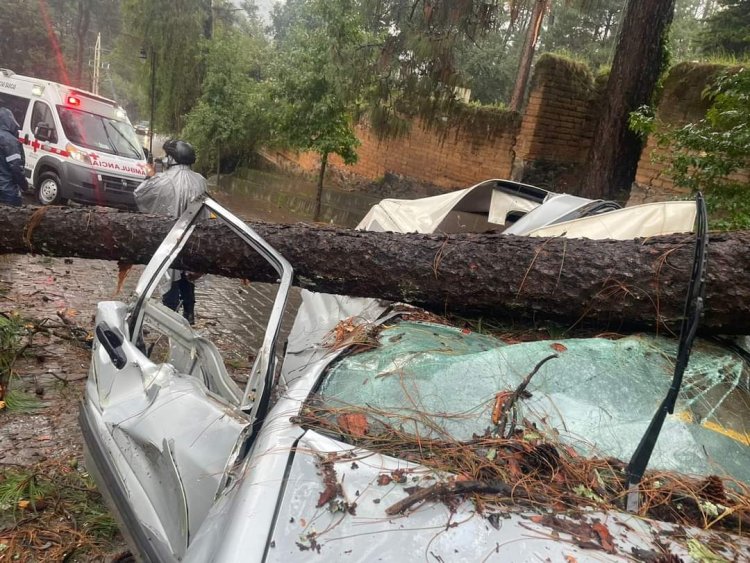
(79, 146)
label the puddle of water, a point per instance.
(283, 198)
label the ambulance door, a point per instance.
(42, 123)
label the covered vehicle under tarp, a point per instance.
(598, 396)
(483, 207)
(520, 209)
(639, 221)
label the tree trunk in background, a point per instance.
(218, 163)
(527, 55)
(636, 68)
(319, 191)
(616, 285)
(82, 28)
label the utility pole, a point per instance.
(97, 63)
(153, 104)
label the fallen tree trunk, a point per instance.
(614, 284)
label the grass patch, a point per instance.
(11, 331)
(51, 512)
(18, 401)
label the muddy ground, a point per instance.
(41, 434)
(54, 300)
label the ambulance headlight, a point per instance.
(37, 90)
(77, 154)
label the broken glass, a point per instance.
(597, 396)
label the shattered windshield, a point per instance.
(597, 396)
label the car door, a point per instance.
(162, 420)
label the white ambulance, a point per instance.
(79, 146)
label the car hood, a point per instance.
(335, 500)
(304, 494)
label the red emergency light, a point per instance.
(73, 101)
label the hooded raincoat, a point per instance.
(170, 192)
(12, 160)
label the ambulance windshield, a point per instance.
(100, 133)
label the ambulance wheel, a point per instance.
(48, 192)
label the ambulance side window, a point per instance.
(16, 105)
(42, 115)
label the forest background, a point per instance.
(233, 76)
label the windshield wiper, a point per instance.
(109, 139)
(131, 145)
(688, 329)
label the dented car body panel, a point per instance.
(200, 470)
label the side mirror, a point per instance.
(43, 132)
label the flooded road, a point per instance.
(246, 205)
(284, 198)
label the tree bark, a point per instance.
(636, 68)
(527, 54)
(614, 284)
(319, 190)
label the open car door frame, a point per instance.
(163, 436)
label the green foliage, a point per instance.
(54, 40)
(417, 51)
(686, 29)
(232, 112)
(728, 30)
(642, 121)
(24, 48)
(10, 344)
(588, 29)
(171, 32)
(489, 67)
(18, 401)
(713, 154)
(61, 498)
(317, 82)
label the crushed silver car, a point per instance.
(389, 434)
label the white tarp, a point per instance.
(483, 207)
(476, 209)
(639, 221)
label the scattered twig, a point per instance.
(517, 394)
(33, 223)
(441, 490)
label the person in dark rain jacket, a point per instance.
(12, 160)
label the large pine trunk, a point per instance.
(636, 68)
(615, 284)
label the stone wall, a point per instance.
(448, 158)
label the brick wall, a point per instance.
(546, 145)
(681, 102)
(557, 126)
(449, 159)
